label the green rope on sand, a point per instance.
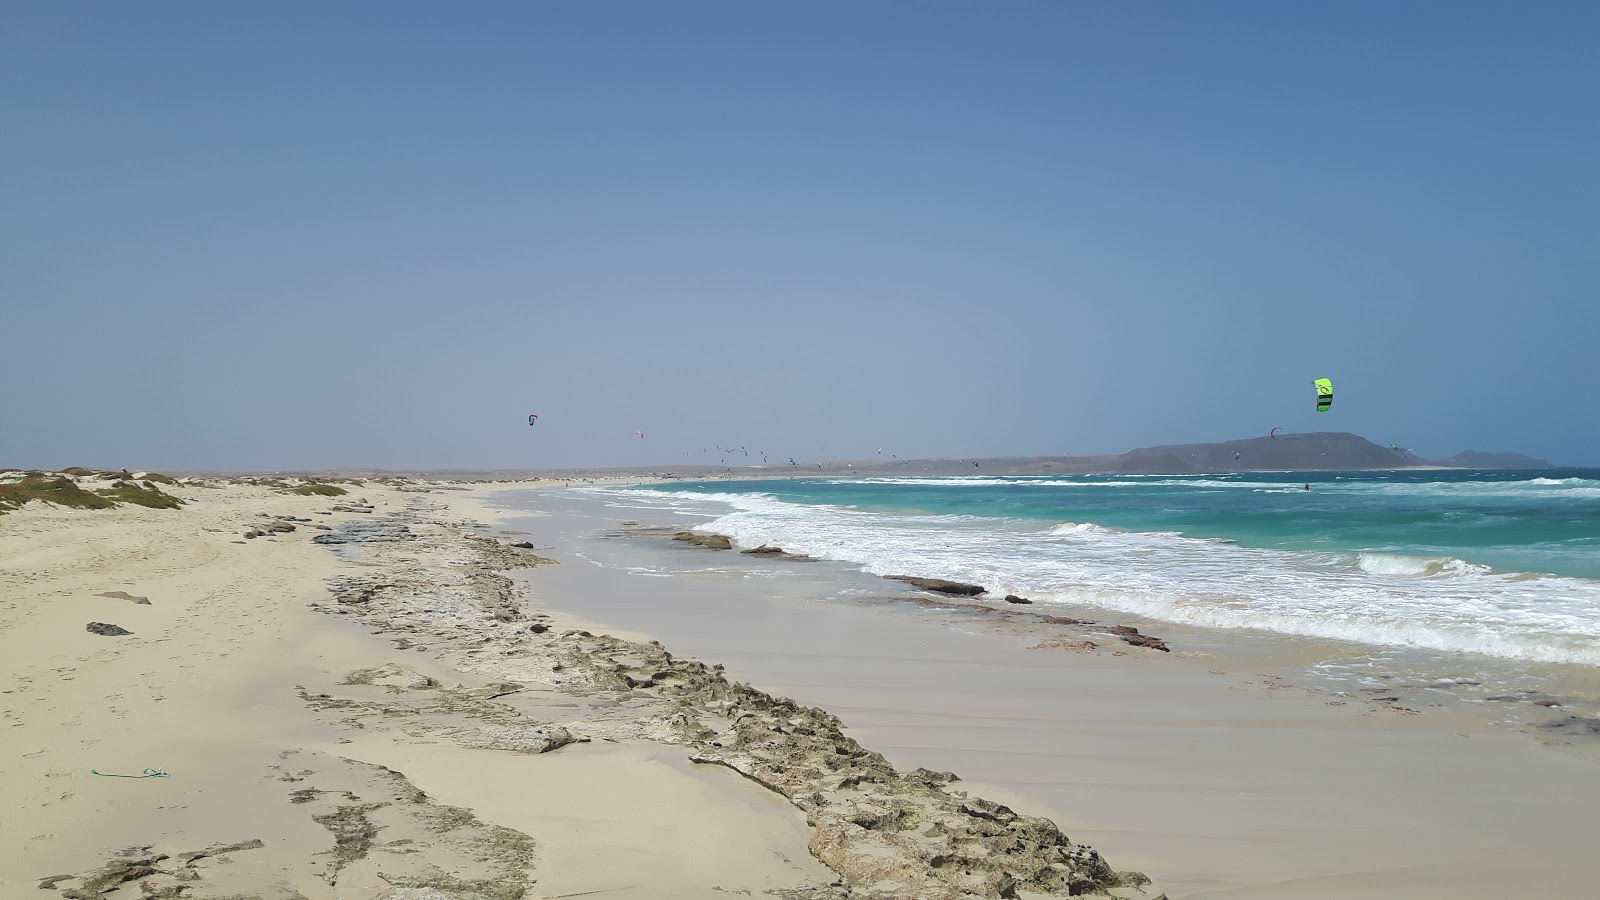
(148, 773)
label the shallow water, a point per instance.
(1429, 621)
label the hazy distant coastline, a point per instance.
(1310, 452)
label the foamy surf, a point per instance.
(1273, 564)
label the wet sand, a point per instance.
(1213, 778)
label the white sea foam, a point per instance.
(1439, 603)
(1429, 566)
(1066, 528)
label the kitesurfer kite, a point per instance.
(1324, 394)
(532, 417)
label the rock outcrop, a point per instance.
(710, 541)
(940, 585)
(888, 834)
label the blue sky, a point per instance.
(304, 235)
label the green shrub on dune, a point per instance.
(59, 490)
(145, 494)
(318, 490)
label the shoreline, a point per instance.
(1201, 767)
(317, 759)
(367, 705)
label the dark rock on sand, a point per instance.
(1574, 724)
(521, 545)
(1062, 620)
(1131, 635)
(365, 532)
(106, 629)
(710, 541)
(1013, 598)
(770, 552)
(940, 585)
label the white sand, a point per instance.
(205, 689)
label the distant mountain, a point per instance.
(1473, 459)
(1322, 450)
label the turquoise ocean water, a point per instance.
(1492, 563)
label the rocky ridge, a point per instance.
(436, 585)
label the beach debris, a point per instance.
(1132, 636)
(193, 856)
(124, 595)
(1061, 644)
(710, 541)
(533, 741)
(500, 689)
(1574, 724)
(940, 585)
(431, 849)
(106, 629)
(365, 532)
(142, 865)
(135, 864)
(148, 773)
(1013, 598)
(392, 676)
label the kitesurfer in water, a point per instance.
(1308, 487)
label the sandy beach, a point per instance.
(383, 716)
(425, 690)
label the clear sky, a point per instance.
(303, 235)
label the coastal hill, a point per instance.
(1315, 451)
(1310, 452)
(1473, 459)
